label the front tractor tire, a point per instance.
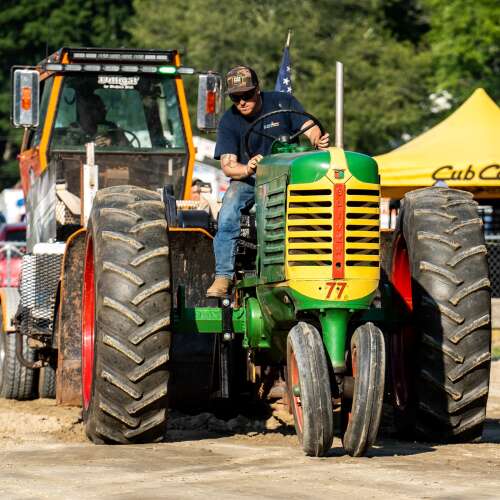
(125, 317)
(309, 391)
(440, 360)
(361, 410)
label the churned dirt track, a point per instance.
(43, 454)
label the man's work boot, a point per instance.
(220, 287)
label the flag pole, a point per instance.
(284, 78)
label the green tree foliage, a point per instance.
(385, 78)
(465, 42)
(405, 19)
(395, 52)
(32, 29)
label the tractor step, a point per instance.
(223, 319)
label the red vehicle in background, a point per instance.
(12, 249)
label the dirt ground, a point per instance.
(44, 454)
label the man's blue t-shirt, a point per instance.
(233, 126)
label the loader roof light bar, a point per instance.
(118, 68)
(160, 57)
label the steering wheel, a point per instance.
(283, 138)
(126, 131)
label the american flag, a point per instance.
(284, 80)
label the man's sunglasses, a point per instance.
(245, 96)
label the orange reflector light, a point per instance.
(210, 107)
(26, 98)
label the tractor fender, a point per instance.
(68, 322)
(9, 298)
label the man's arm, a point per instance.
(238, 171)
(314, 135)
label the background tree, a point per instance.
(464, 41)
(395, 52)
(32, 29)
(385, 78)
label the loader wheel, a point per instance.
(361, 410)
(16, 381)
(47, 382)
(126, 309)
(308, 385)
(440, 271)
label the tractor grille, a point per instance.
(315, 237)
(362, 245)
(310, 226)
(274, 233)
(38, 290)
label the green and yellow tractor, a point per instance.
(311, 300)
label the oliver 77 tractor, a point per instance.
(112, 292)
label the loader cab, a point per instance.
(131, 104)
(135, 122)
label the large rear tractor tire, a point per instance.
(308, 384)
(16, 381)
(126, 309)
(361, 413)
(441, 359)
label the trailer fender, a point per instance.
(68, 323)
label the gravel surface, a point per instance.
(44, 454)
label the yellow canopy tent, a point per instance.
(463, 151)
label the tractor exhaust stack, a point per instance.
(339, 105)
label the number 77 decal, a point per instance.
(338, 285)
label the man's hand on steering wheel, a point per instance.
(323, 142)
(252, 164)
(102, 140)
(314, 135)
(117, 137)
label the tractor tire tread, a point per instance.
(451, 313)
(47, 382)
(306, 344)
(133, 306)
(126, 350)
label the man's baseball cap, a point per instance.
(241, 79)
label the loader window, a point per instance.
(119, 113)
(46, 90)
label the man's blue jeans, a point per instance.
(239, 196)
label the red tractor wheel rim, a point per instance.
(296, 399)
(402, 342)
(401, 273)
(88, 310)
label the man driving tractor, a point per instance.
(91, 125)
(249, 103)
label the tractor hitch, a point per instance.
(227, 319)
